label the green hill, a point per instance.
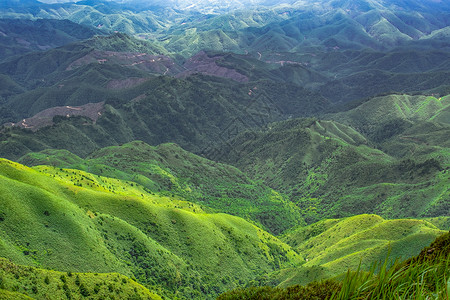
(80, 222)
(410, 279)
(21, 282)
(195, 112)
(22, 36)
(330, 170)
(170, 170)
(331, 247)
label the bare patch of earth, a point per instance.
(45, 118)
(203, 64)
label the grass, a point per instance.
(330, 247)
(80, 222)
(22, 282)
(424, 276)
(169, 170)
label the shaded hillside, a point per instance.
(22, 36)
(45, 69)
(170, 170)
(194, 112)
(330, 170)
(81, 222)
(398, 118)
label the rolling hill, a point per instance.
(80, 222)
(170, 171)
(22, 36)
(331, 170)
(386, 280)
(331, 247)
(85, 223)
(179, 150)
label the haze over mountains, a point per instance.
(180, 150)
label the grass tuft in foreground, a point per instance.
(425, 276)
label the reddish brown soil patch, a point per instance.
(202, 63)
(45, 118)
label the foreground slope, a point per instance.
(409, 279)
(79, 222)
(21, 282)
(170, 170)
(333, 246)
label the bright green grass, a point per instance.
(424, 276)
(169, 170)
(21, 282)
(331, 247)
(80, 222)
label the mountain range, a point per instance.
(235, 149)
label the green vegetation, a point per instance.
(331, 247)
(325, 123)
(169, 170)
(330, 170)
(80, 222)
(21, 282)
(21, 36)
(422, 277)
(195, 112)
(315, 290)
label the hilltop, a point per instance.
(80, 222)
(169, 170)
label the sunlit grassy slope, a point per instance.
(80, 222)
(424, 276)
(333, 246)
(21, 282)
(168, 169)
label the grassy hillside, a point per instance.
(170, 170)
(80, 222)
(410, 279)
(22, 36)
(331, 170)
(331, 247)
(21, 282)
